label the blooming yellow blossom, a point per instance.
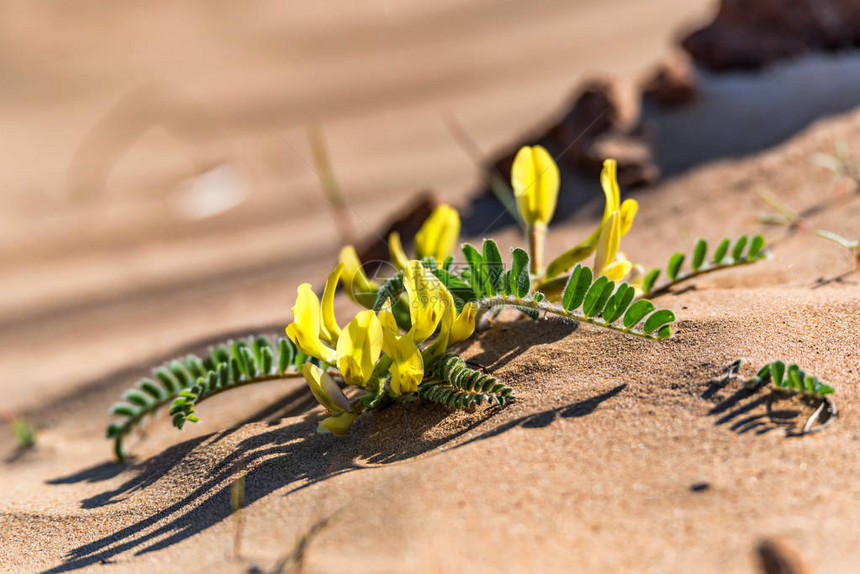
(439, 233)
(304, 331)
(407, 366)
(627, 213)
(606, 260)
(617, 219)
(609, 183)
(535, 179)
(427, 300)
(359, 347)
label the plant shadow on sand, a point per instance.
(744, 411)
(293, 457)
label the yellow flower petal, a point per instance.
(356, 284)
(407, 367)
(629, 209)
(617, 270)
(535, 179)
(438, 235)
(337, 425)
(324, 389)
(304, 331)
(330, 328)
(395, 248)
(359, 347)
(427, 300)
(389, 323)
(609, 182)
(607, 245)
(464, 325)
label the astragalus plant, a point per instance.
(403, 345)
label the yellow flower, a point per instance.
(330, 331)
(356, 284)
(427, 300)
(325, 390)
(464, 325)
(337, 425)
(407, 366)
(438, 235)
(627, 213)
(609, 182)
(455, 328)
(304, 331)
(535, 179)
(359, 347)
(607, 260)
(617, 219)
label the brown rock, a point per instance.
(672, 84)
(596, 110)
(591, 131)
(750, 34)
(636, 166)
(775, 557)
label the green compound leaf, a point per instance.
(455, 385)
(177, 383)
(699, 264)
(790, 379)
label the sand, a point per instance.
(619, 455)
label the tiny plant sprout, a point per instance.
(782, 214)
(25, 433)
(791, 380)
(853, 247)
(840, 163)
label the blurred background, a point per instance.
(157, 183)
(155, 180)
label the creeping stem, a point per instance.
(689, 275)
(537, 239)
(489, 303)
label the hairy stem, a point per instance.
(537, 239)
(485, 305)
(681, 278)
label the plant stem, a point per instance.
(664, 288)
(485, 305)
(537, 239)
